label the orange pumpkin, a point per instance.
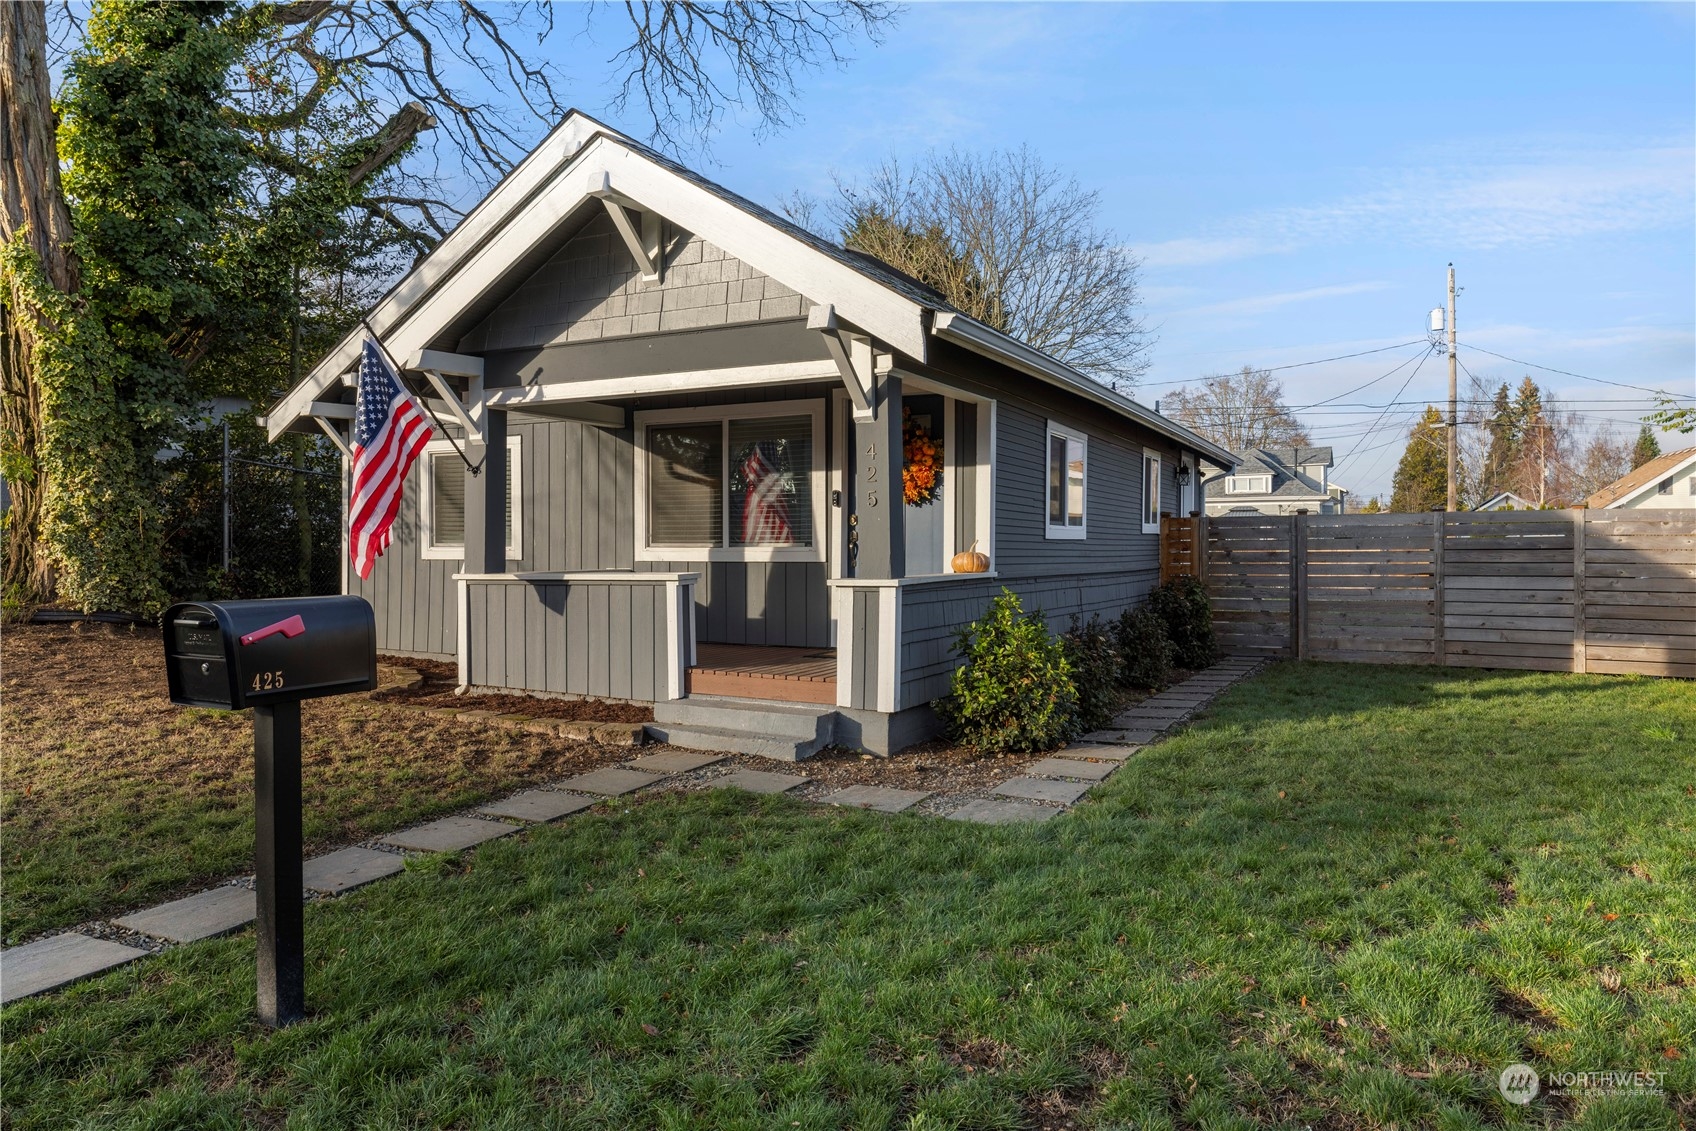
(970, 561)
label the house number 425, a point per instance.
(871, 474)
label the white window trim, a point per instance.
(427, 504)
(1051, 531)
(724, 413)
(1147, 526)
(1236, 485)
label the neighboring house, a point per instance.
(691, 413)
(1506, 501)
(1277, 481)
(1665, 482)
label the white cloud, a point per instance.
(1547, 196)
(1262, 304)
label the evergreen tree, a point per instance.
(1422, 477)
(1373, 506)
(1503, 453)
(1646, 448)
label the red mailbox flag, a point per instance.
(389, 431)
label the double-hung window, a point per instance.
(1150, 492)
(1068, 470)
(441, 502)
(738, 483)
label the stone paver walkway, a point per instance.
(1046, 788)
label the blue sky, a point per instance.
(1297, 177)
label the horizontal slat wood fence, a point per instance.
(1596, 591)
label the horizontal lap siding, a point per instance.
(931, 615)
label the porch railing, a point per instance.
(606, 634)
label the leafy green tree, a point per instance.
(1015, 691)
(1421, 481)
(1646, 448)
(150, 167)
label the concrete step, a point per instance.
(724, 740)
(798, 721)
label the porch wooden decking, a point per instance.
(748, 671)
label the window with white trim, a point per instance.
(441, 502)
(1068, 470)
(1248, 484)
(737, 483)
(1150, 492)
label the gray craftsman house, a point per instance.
(1276, 481)
(689, 416)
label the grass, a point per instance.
(1346, 899)
(111, 798)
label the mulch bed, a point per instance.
(441, 678)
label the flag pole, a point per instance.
(474, 468)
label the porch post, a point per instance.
(485, 499)
(880, 524)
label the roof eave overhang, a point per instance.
(988, 342)
(547, 187)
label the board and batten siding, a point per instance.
(606, 640)
(577, 486)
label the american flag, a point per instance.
(389, 431)
(765, 516)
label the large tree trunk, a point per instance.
(33, 209)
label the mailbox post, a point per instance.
(269, 655)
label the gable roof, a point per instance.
(582, 159)
(1288, 478)
(1634, 483)
(1510, 498)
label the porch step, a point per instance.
(782, 731)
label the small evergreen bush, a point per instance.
(1183, 605)
(1093, 655)
(1015, 692)
(1145, 650)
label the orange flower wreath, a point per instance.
(921, 468)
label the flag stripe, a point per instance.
(389, 433)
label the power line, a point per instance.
(1580, 376)
(1358, 388)
(1295, 365)
(1399, 392)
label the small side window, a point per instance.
(1150, 492)
(1068, 470)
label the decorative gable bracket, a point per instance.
(856, 360)
(638, 227)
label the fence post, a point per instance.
(1298, 587)
(1439, 536)
(226, 470)
(1580, 658)
(1201, 548)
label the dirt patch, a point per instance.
(440, 679)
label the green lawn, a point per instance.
(111, 798)
(1346, 899)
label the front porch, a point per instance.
(747, 671)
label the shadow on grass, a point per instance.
(1344, 898)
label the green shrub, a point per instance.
(1183, 605)
(1144, 648)
(1093, 656)
(1015, 692)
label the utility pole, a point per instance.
(1454, 428)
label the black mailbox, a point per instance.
(269, 655)
(235, 654)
